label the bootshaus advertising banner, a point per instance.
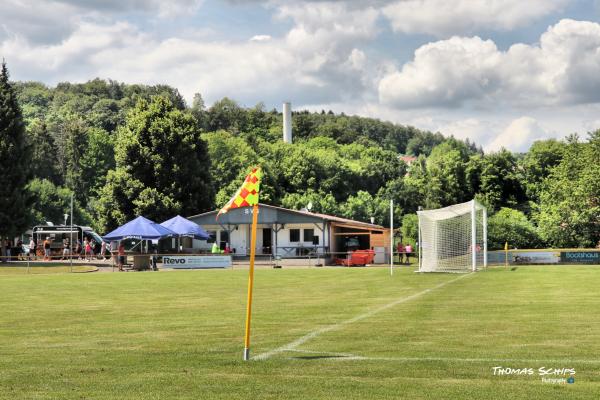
(196, 262)
(580, 257)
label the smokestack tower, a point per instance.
(287, 122)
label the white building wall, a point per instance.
(240, 238)
(283, 238)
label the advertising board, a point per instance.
(196, 262)
(580, 257)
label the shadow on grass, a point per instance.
(317, 357)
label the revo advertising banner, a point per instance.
(196, 262)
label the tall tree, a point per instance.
(568, 214)
(74, 147)
(51, 202)
(44, 153)
(512, 226)
(500, 180)
(543, 155)
(14, 161)
(96, 160)
(162, 167)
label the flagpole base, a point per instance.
(246, 354)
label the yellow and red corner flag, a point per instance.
(247, 194)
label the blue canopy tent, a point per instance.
(184, 227)
(139, 228)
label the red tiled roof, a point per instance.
(408, 159)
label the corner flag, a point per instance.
(246, 196)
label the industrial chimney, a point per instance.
(287, 122)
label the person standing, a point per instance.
(20, 253)
(2, 249)
(121, 253)
(66, 249)
(114, 247)
(92, 249)
(32, 249)
(78, 249)
(102, 251)
(9, 246)
(400, 253)
(87, 247)
(408, 249)
(47, 256)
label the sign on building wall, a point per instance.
(196, 262)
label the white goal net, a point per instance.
(453, 239)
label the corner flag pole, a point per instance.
(250, 283)
(391, 237)
(71, 236)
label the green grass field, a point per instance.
(43, 268)
(321, 333)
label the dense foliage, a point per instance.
(14, 165)
(134, 149)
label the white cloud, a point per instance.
(171, 8)
(330, 58)
(49, 23)
(561, 69)
(474, 129)
(311, 61)
(52, 21)
(444, 18)
(518, 135)
(444, 73)
(260, 38)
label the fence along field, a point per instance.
(328, 332)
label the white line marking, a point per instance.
(325, 353)
(311, 335)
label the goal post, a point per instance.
(453, 239)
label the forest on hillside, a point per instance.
(125, 150)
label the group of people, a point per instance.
(86, 250)
(10, 251)
(404, 252)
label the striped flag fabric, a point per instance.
(247, 194)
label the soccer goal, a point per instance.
(453, 239)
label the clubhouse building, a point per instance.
(289, 233)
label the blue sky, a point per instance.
(501, 73)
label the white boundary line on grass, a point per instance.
(353, 357)
(311, 335)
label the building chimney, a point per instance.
(287, 122)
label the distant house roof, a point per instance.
(299, 215)
(408, 159)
